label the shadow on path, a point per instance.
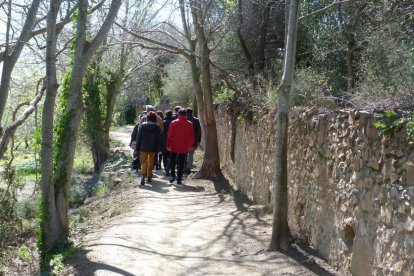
(83, 266)
(302, 259)
(156, 186)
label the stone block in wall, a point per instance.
(386, 215)
(409, 169)
(362, 258)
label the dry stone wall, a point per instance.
(350, 189)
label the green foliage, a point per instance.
(27, 171)
(27, 209)
(224, 95)
(311, 88)
(241, 117)
(83, 162)
(228, 4)
(178, 85)
(389, 123)
(101, 190)
(113, 143)
(155, 90)
(62, 131)
(56, 264)
(94, 89)
(386, 76)
(54, 261)
(77, 195)
(8, 218)
(410, 127)
(24, 253)
(41, 218)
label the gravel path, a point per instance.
(183, 230)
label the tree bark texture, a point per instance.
(75, 108)
(195, 71)
(11, 58)
(50, 229)
(94, 123)
(211, 162)
(280, 230)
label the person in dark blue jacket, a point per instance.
(148, 145)
(197, 140)
(166, 156)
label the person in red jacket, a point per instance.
(180, 140)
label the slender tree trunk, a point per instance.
(261, 47)
(75, 108)
(280, 230)
(11, 57)
(195, 72)
(211, 162)
(93, 117)
(50, 229)
(195, 75)
(348, 30)
(350, 63)
(195, 106)
(242, 41)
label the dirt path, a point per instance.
(184, 230)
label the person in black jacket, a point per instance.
(175, 114)
(148, 144)
(166, 156)
(197, 139)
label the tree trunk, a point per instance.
(100, 149)
(195, 75)
(211, 162)
(195, 106)
(242, 41)
(195, 72)
(280, 230)
(11, 58)
(348, 29)
(350, 63)
(93, 117)
(75, 109)
(261, 45)
(50, 230)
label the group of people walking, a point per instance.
(171, 141)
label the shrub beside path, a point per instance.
(185, 230)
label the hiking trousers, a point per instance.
(147, 163)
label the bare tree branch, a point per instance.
(335, 2)
(68, 18)
(183, 51)
(11, 129)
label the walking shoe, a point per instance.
(142, 180)
(172, 179)
(179, 182)
(149, 179)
